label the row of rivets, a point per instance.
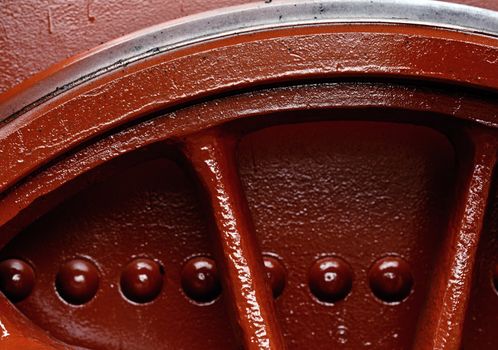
(331, 279)
(141, 281)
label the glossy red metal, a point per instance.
(330, 279)
(200, 280)
(142, 280)
(17, 279)
(391, 279)
(352, 141)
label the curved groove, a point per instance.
(233, 21)
(208, 69)
(238, 107)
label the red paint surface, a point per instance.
(354, 189)
(312, 145)
(36, 34)
(150, 211)
(359, 191)
(213, 159)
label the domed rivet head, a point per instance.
(390, 279)
(200, 280)
(276, 274)
(17, 279)
(330, 279)
(77, 281)
(142, 280)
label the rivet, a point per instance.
(142, 280)
(200, 280)
(390, 279)
(276, 274)
(17, 279)
(77, 281)
(330, 279)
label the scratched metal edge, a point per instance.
(240, 20)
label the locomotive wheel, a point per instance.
(282, 175)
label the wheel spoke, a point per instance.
(442, 321)
(212, 157)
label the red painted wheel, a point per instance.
(140, 195)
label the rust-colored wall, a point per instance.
(35, 34)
